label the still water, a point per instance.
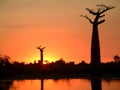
(61, 84)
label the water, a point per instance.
(61, 84)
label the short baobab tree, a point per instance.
(41, 52)
(95, 44)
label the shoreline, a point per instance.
(61, 76)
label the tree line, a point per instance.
(58, 68)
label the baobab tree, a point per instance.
(95, 44)
(41, 52)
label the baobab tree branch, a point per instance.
(98, 13)
(107, 7)
(100, 10)
(43, 48)
(102, 15)
(87, 18)
(91, 11)
(101, 21)
(104, 8)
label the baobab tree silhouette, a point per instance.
(41, 52)
(95, 44)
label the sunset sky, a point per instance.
(57, 25)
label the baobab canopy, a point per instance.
(98, 13)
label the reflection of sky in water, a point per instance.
(62, 84)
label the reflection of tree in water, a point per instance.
(42, 84)
(96, 84)
(5, 85)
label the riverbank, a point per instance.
(61, 76)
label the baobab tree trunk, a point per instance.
(95, 46)
(41, 55)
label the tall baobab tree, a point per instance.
(95, 44)
(41, 53)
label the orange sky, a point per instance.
(57, 25)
